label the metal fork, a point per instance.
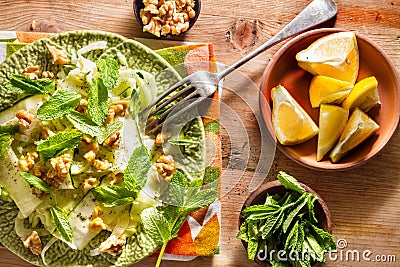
(202, 84)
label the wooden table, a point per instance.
(364, 202)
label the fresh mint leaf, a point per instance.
(177, 189)
(325, 239)
(62, 223)
(316, 252)
(98, 102)
(109, 72)
(36, 182)
(270, 224)
(135, 175)
(289, 182)
(111, 128)
(252, 249)
(156, 225)
(262, 210)
(58, 105)
(292, 238)
(213, 127)
(211, 176)
(84, 124)
(243, 232)
(183, 142)
(112, 195)
(300, 237)
(58, 144)
(299, 204)
(311, 212)
(201, 199)
(20, 84)
(5, 143)
(9, 129)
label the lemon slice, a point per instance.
(324, 89)
(364, 95)
(334, 55)
(291, 123)
(359, 127)
(332, 120)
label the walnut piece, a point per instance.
(91, 151)
(33, 242)
(166, 167)
(97, 224)
(25, 118)
(26, 163)
(167, 16)
(48, 74)
(159, 139)
(56, 176)
(82, 106)
(89, 183)
(113, 245)
(102, 165)
(31, 72)
(59, 56)
(117, 109)
(112, 140)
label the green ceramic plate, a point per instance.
(138, 56)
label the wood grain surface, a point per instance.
(364, 202)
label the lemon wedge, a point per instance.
(359, 127)
(332, 120)
(334, 55)
(291, 122)
(324, 89)
(364, 95)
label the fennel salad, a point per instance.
(77, 160)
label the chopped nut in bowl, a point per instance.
(166, 18)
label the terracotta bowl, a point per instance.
(138, 5)
(275, 187)
(283, 69)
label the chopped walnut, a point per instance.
(32, 72)
(117, 109)
(102, 165)
(87, 138)
(166, 167)
(117, 178)
(167, 16)
(91, 152)
(59, 56)
(25, 118)
(110, 115)
(97, 224)
(90, 157)
(46, 133)
(113, 245)
(48, 74)
(26, 163)
(37, 192)
(56, 176)
(82, 106)
(113, 140)
(89, 184)
(98, 211)
(33, 242)
(159, 139)
(38, 171)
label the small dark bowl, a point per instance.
(275, 187)
(138, 5)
